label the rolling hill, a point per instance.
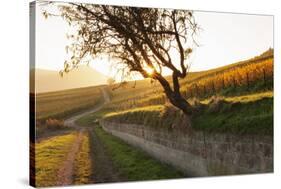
(147, 93)
(83, 76)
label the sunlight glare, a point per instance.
(149, 70)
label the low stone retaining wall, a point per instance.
(199, 153)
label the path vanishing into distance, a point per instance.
(102, 168)
(71, 121)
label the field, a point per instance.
(246, 77)
(235, 99)
(146, 104)
(138, 94)
(64, 103)
(250, 92)
(242, 78)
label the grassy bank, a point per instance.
(153, 116)
(133, 163)
(252, 114)
(253, 117)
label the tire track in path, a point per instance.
(65, 172)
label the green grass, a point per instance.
(248, 117)
(133, 163)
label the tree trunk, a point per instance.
(178, 101)
(175, 96)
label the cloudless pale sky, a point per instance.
(225, 38)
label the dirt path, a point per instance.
(102, 170)
(71, 121)
(65, 172)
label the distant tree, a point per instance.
(142, 40)
(110, 81)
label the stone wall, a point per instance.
(199, 153)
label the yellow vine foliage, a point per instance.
(238, 76)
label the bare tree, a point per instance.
(142, 40)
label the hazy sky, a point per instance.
(225, 38)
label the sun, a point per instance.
(149, 70)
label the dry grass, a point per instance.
(49, 156)
(243, 98)
(54, 124)
(82, 165)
